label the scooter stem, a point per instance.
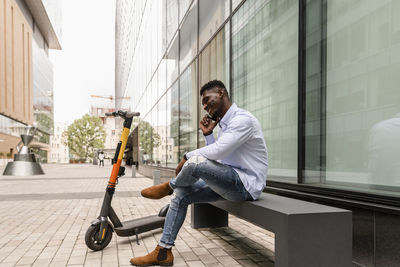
(115, 170)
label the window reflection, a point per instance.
(188, 98)
(355, 130)
(172, 19)
(162, 131)
(212, 16)
(214, 65)
(183, 8)
(145, 145)
(173, 126)
(188, 37)
(264, 69)
(161, 77)
(172, 60)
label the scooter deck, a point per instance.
(140, 225)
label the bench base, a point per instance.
(207, 216)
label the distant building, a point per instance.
(59, 153)
(111, 127)
(28, 29)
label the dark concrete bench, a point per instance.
(306, 234)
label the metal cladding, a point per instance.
(24, 163)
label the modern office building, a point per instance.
(321, 77)
(28, 29)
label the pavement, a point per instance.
(45, 217)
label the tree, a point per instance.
(83, 136)
(148, 137)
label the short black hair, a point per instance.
(212, 84)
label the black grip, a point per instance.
(132, 114)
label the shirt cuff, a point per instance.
(209, 138)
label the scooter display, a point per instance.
(99, 233)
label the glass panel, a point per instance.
(264, 69)
(357, 96)
(214, 65)
(188, 37)
(156, 134)
(235, 4)
(149, 92)
(161, 77)
(188, 98)
(154, 87)
(162, 131)
(173, 126)
(172, 61)
(172, 19)
(188, 142)
(212, 16)
(183, 8)
(145, 141)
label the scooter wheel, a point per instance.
(92, 238)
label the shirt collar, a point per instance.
(226, 118)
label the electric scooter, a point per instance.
(99, 233)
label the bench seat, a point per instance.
(306, 234)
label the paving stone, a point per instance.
(195, 264)
(208, 258)
(189, 256)
(217, 252)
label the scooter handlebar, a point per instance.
(123, 114)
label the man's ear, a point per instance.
(221, 92)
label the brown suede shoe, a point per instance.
(157, 191)
(159, 256)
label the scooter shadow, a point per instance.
(142, 236)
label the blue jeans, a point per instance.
(200, 181)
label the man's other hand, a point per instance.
(180, 166)
(207, 125)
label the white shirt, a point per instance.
(240, 144)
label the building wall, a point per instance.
(59, 153)
(26, 77)
(320, 76)
(112, 126)
(16, 88)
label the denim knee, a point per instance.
(181, 196)
(195, 160)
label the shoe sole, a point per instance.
(163, 264)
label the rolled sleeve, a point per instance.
(237, 133)
(209, 139)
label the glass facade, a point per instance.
(264, 76)
(320, 78)
(42, 94)
(352, 102)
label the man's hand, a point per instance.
(207, 125)
(180, 166)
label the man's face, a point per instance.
(212, 102)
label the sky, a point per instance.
(85, 65)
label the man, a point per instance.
(101, 159)
(233, 167)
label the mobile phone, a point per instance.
(211, 118)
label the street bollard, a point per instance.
(133, 171)
(156, 177)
